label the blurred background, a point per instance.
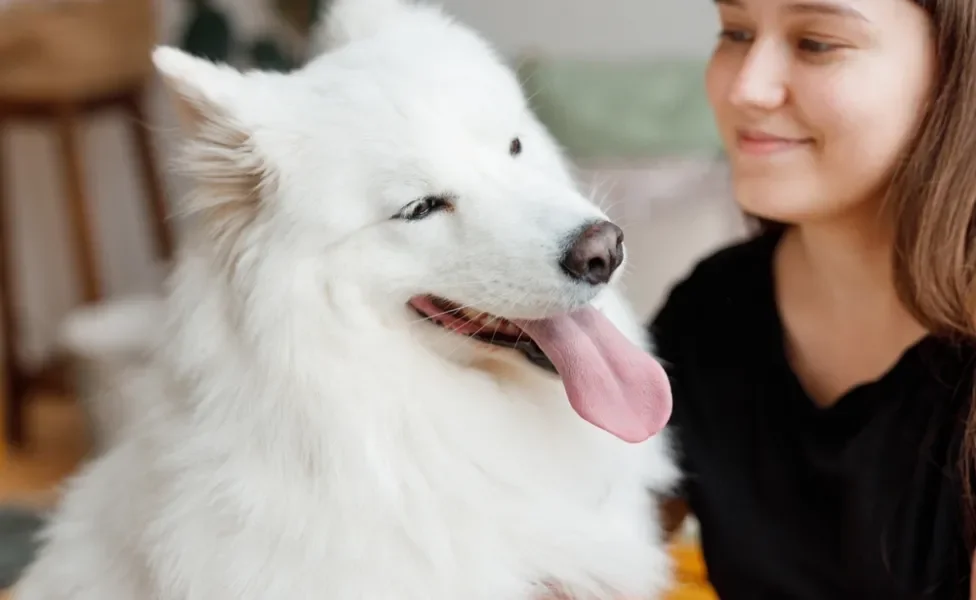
(85, 192)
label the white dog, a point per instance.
(395, 366)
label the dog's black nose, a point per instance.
(595, 254)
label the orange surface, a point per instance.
(692, 580)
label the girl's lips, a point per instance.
(761, 143)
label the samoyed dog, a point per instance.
(395, 363)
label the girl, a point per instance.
(823, 370)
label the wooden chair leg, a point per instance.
(158, 210)
(85, 251)
(14, 384)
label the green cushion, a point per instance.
(623, 109)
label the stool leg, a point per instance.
(85, 251)
(14, 384)
(150, 176)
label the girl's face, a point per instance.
(815, 100)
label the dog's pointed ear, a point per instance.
(344, 21)
(200, 90)
(219, 153)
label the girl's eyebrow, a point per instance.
(823, 8)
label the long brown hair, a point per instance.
(933, 197)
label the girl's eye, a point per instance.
(815, 47)
(423, 208)
(741, 36)
(736, 35)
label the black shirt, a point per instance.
(860, 500)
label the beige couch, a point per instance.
(673, 212)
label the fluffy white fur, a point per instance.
(310, 436)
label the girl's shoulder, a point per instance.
(729, 288)
(749, 260)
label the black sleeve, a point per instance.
(720, 299)
(665, 330)
(666, 324)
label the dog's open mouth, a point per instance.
(481, 326)
(609, 381)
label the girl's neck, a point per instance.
(847, 263)
(844, 322)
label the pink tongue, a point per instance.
(610, 382)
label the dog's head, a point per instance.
(403, 167)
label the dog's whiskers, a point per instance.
(463, 340)
(453, 310)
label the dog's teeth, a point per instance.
(487, 323)
(469, 314)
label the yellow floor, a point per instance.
(59, 442)
(692, 581)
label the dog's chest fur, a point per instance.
(479, 501)
(449, 496)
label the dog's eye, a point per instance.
(515, 147)
(423, 208)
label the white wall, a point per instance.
(594, 28)
(586, 28)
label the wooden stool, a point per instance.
(61, 62)
(68, 117)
